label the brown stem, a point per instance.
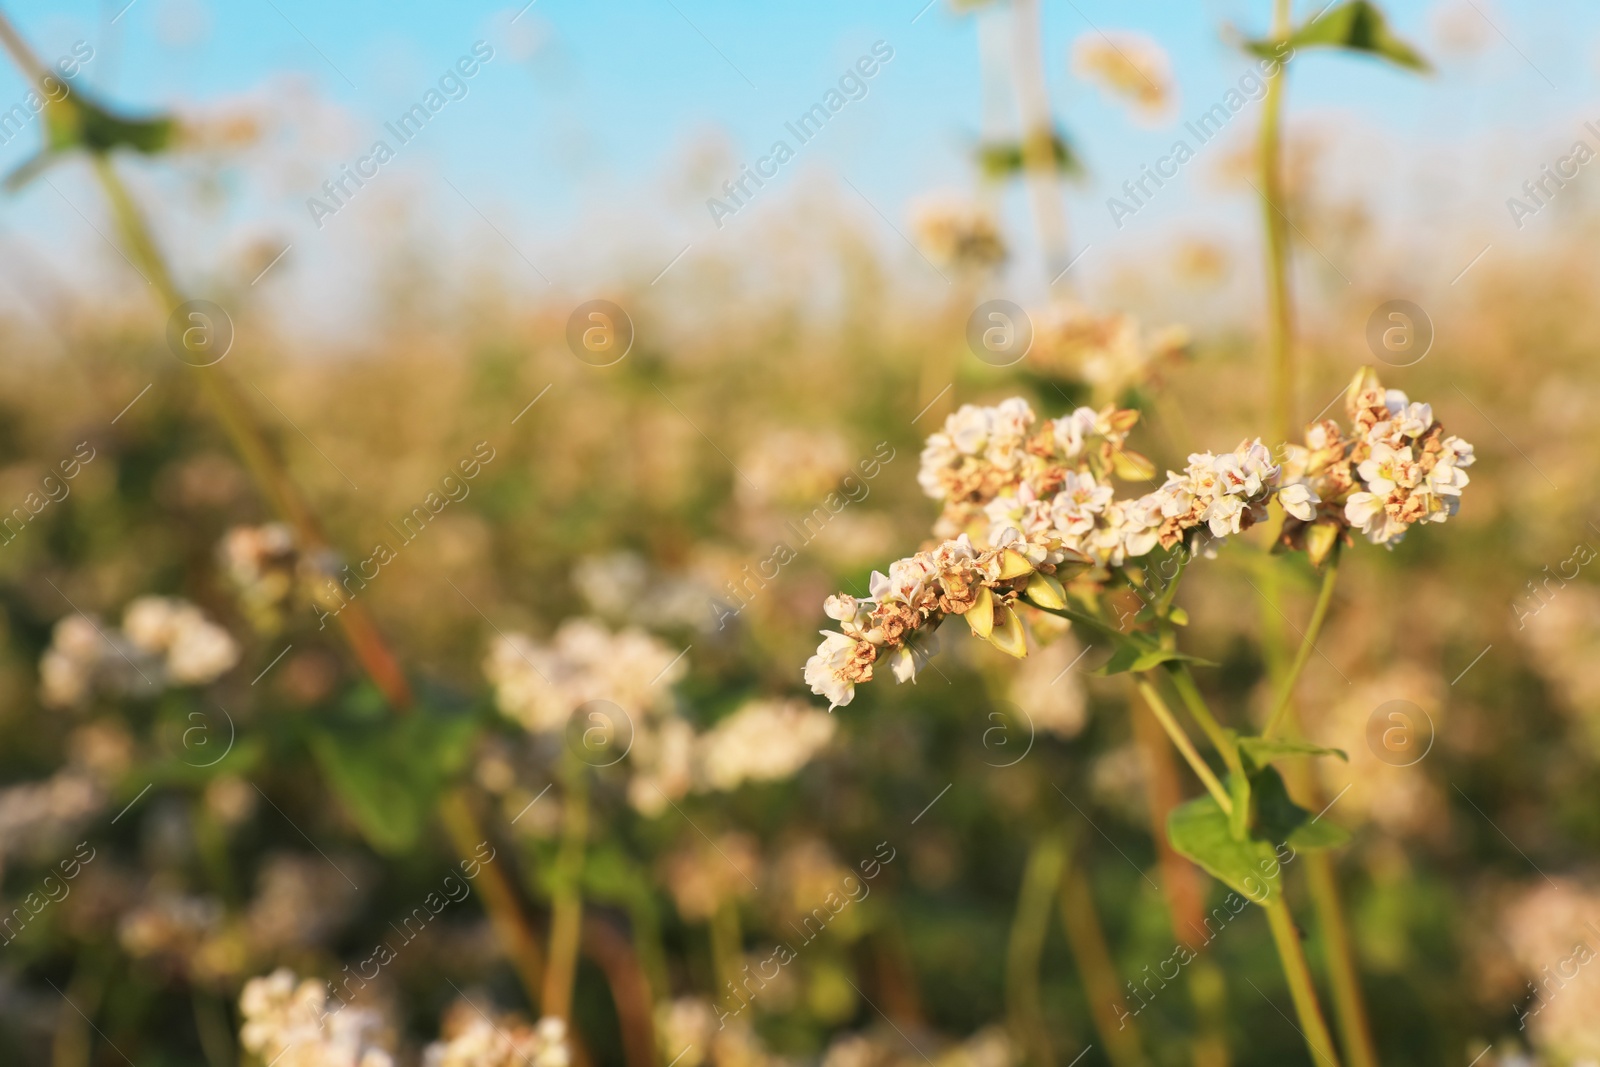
(518, 939)
(265, 466)
(1087, 939)
(630, 988)
(566, 910)
(897, 976)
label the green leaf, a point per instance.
(1121, 661)
(1199, 830)
(1261, 751)
(1355, 26)
(76, 121)
(1003, 159)
(388, 770)
(1138, 658)
(1281, 819)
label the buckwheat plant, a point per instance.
(1032, 523)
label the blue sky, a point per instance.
(591, 113)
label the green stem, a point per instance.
(1269, 151)
(566, 909)
(211, 1023)
(1100, 626)
(1087, 938)
(1164, 602)
(513, 932)
(1181, 741)
(1349, 1008)
(727, 946)
(1287, 941)
(1029, 927)
(1183, 681)
(1308, 644)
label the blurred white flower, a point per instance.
(540, 685)
(766, 740)
(508, 1043)
(195, 650)
(956, 231)
(1128, 66)
(289, 1024)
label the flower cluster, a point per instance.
(1396, 468)
(1108, 352)
(987, 452)
(472, 1040)
(907, 606)
(263, 564)
(289, 1023)
(1410, 472)
(955, 232)
(1028, 505)
(1128, 66)
(764, 741)
(540, 685)
(164, 641)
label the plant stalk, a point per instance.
(1180, 886)
(1041, 877)
(1280, 309)
(630, 988)
(1039, 163)
(1344, 981)
(1181, 741)
(1099, 972)
(566, 909)
(1183, 681)
(265, 467)
(1287, 941)
(1308, 643)
(516, 934)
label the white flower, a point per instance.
(909, 658)
(763, 741)
(1079, 501)
(825, 670)
(1224, 515)
(1366, 511)
(968, 428)
(201, 652)
(1298, 500)
(290, 1025)
(481, 1042)
(1245, 470)
(1414, 420)
(540, 685)
(1387, 468)
(1071, 430)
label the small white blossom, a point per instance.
(763, 741)
(290, 1024)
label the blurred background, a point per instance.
(295, 622)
